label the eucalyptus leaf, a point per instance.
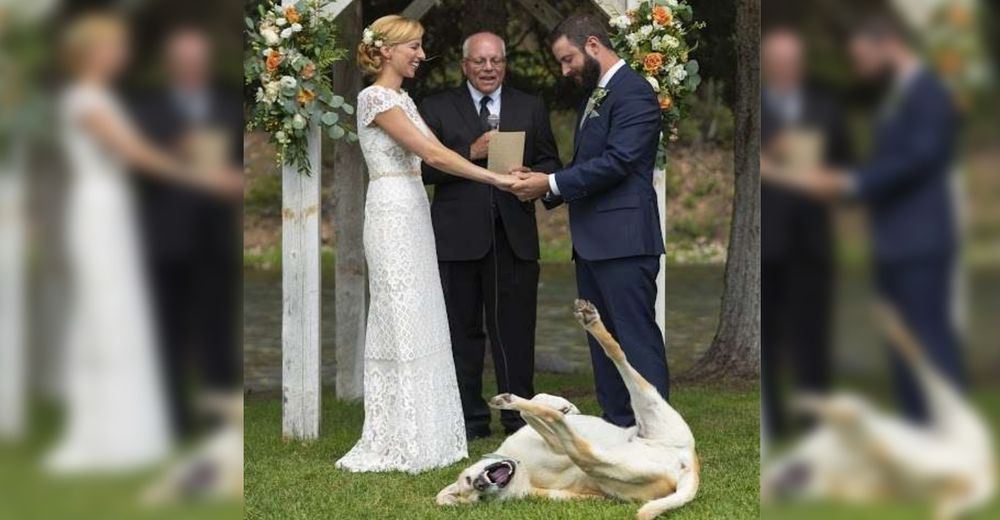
(336, 132)
(348, 109)
(692, 67)
(330, 118)
(336, 101)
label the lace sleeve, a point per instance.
(373, 101)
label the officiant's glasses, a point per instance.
(481, 62)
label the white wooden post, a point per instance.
(13, 366)
(301, 367)
(301, 385)
(617, 8)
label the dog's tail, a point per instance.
(687, 488)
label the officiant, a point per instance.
(487, 240)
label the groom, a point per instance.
(613, 212)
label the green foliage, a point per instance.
(289, 57)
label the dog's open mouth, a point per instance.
(498, 474)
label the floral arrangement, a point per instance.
(652, 38)
(290, 49)
(954, 44)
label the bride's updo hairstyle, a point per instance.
(386, 31)
(86, 33)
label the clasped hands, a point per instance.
(524, 183)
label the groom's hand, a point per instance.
(532, 185)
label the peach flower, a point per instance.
(666, 103)
(309, 70)
(292, 15)
(652, 62)
(661, 15)
(273, 61)
(305, 96)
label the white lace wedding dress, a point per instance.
(413, 415)
(116, 415)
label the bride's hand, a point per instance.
(503, 182)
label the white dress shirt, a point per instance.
(603, 83)
(493, 106)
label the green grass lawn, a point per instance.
(27, 493)
(296, 480)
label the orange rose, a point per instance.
(273, 60)
(652, 62)
(308, 71)
(959, 16)
(305, 96)
(666, 103)
(662, 16)
(292, 15)
(949, 61)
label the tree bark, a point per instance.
(735, 350)
(351, 299)
(484, 15)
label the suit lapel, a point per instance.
(612, 83)
(463, 103)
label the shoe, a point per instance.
(480, 432)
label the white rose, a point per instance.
(368, 37)
(632, 39)
(286, 33)
(288, 82)
(678, 73)
(671, 3)
(670, 42)
(378, 43)
(653, 83)
(267, 52)
(271, 91)
(621, 22)
(280, 22)
(645, 31)
(296, 27)
(260, 95)
(298, 122)
(270, 37)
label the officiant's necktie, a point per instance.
(484, 112)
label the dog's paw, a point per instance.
(503, 402)
(556, 403)
(586, 313)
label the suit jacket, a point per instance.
(613, 211)
(793, 224)
(178, 220)
(906, 182)
(462, 211)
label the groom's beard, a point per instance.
(590, 76)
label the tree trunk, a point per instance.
(735, 350)
(348, 219)
(484, 15)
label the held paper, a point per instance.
(506, 151)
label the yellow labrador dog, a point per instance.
(859, 454)
(566, 455)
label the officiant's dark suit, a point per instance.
(797, 257)
(192, 246)
(487, 242)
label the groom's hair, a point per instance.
(578, 28)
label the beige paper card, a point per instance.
(506, 151)
(804, 151)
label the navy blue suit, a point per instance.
(905, 186)
(614, 222)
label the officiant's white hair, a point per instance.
(465, 44)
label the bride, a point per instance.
(116, 416)
(413, 416)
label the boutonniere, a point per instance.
(596, 98)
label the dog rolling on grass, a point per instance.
(214, 469)
(565, 455)
(859, 454)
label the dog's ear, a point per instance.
(448, 496)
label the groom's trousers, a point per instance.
(624, 291)
(504, 289)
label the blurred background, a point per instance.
(881, 116)
(120, 184)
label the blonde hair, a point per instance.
(391, 29)
(85, 33)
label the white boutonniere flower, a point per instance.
(596, 98)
